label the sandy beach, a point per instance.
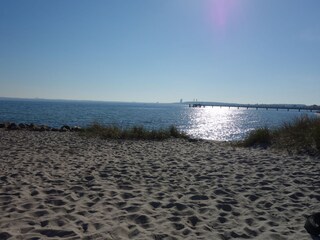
(60, 186)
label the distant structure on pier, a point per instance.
(181, 100)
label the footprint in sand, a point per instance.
(174, 219)
(4, 235)
(178, 226)
(40, 213)
(252, 197)
(225, 207)
(44, 223)
(132, 209)
(193, 220)
(134, 233)
(141, 220)
(199, 197)
(155, 204)
(53, 191)
(222, 219)
(27, 206)
(250, 232)
(56, 233)
(127, 195)
(55, 202)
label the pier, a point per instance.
(313, 108)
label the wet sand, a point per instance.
(61, 186)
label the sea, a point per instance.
(211, 123)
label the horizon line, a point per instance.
(155, 102)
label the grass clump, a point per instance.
(259, 137)
(300, 136)
(135, 132)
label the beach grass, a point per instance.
(135, 132)
(302, 136)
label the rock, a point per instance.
(6, 124)
(41, 128)
(35, 128)
(76, 129)
(65, 128)
(44, 128)
(22, 125)
(13, 126)
(32, 127)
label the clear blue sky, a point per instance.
(246, 51)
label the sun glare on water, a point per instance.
(215, 123)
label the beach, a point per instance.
(58, 185)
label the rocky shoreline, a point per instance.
(38, 128)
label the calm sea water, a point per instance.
(207, 123)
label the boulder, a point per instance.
(44, 128)
(33, 127)
(4, 125)
(65, 128)
(13, 126)
(76, 129)
(22, 125)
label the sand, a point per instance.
(61, 186)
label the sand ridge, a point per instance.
(60, 186)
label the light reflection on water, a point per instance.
(215, 123)
(224, 124)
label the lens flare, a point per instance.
(222, 12)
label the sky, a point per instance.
(241, 51)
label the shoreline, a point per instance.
(57, 184)
(11, 126)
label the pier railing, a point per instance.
(257, 106)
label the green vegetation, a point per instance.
(301, 136)
(136, 132)
(258, 137)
